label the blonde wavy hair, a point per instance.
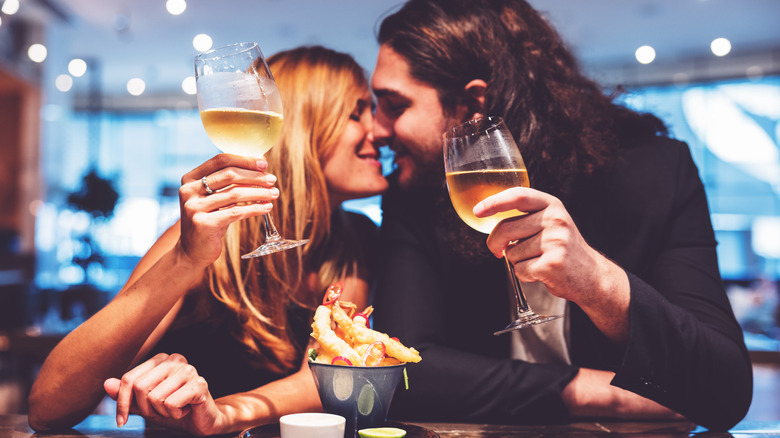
(320, 89)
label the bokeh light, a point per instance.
(136, 86)
(720, 46)
(77, 67)
(37, 53)
(63, 83)
(645, 54)
(175, 7)
(202, 42)
(188, 85)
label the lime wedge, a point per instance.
(382, 432)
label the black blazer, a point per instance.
(650, 216)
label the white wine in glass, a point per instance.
(241, 111)
(480, 160)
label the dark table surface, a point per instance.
(100, 426)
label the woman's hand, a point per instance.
(167, 390)
(545, 245)
(239, 188)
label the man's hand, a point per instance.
(590, 394)
(545, 245)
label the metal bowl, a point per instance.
(362, 395)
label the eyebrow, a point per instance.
(386, 92)
(364, 103)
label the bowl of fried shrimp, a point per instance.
(356, 369)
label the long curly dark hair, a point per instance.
(565, 125)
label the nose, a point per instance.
(383, 131)
(369, 124)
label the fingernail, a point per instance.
(262, 164)
(270, 179)
(274, 192)
(119, 421)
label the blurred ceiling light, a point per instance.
(202, 42)
(63, 83)
(175, 7)
(716, 119)
(136, 86)
(720, 46)
(731, 132)
(759, 99)
(1, 21)
(188, 85)
(645, 54)
(77, 67)
(37, 52)
(766, 236)
(10, 7)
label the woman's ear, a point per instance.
(475, 90)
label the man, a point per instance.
(618, 237)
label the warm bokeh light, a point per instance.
(188, 85)
(136, 86)
(720, 46)
(37, 52)
(175, 7)
(10, 7)
(645, 54)
(35, 206)
(681, 78)
(63, 83)
(202, 42)
(754, 72)
(77, 67)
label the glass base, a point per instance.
(274, 246)
(527, 319)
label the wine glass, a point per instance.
(241, 111)
(480, 160)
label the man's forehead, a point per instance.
(392, 76)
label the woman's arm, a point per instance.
(171, 393)
(70, 383)
(295, 393)
(167, 390)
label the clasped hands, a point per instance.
(166, 390)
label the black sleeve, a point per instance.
(451, 384)
(686, 350)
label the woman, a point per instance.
(238, 328)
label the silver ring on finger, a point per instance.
(206, 186)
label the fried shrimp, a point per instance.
(330, 343)
(345, 337)
(362, 335)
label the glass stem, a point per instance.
(271, 235)
(522, 304)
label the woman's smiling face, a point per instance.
(352, 169)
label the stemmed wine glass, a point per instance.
(242, 113)
(480, 160)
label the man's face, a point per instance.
(409, 119)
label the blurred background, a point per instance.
(98, 122)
